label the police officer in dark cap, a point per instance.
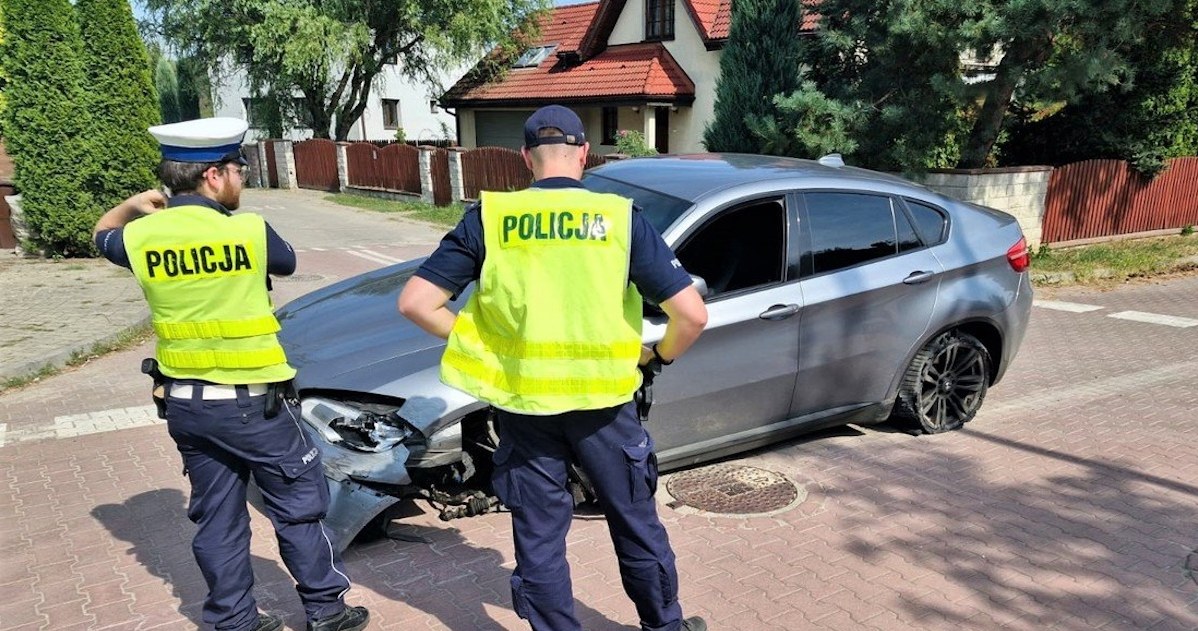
(551, 337)
(222, 379)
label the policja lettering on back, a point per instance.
(217, 259)
(547, 226)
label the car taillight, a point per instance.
(1019, 256)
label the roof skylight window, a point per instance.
(533, 56)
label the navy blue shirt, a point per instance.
(280, 258)
(458, 261)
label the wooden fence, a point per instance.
(1098, 198)
(442, 191)
(493, 169)
(272, 169)
(7, 239)
(316, 164)
(394, 167)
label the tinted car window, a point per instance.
(661, 210)
(907, 239)
(929, 222)
(848, 229)
(739, 249)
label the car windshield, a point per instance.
(661, 210)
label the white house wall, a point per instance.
(416, 117)
(700, 64)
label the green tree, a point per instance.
(808, 124)
(121, 98)
(48, 124)
(1146, 120)
(166, 84)
(331, 53)
(760, 60)
(1051, 50)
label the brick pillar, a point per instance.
(342, 166)
(263, 176)
(285, 161)
(457, 179)
(426, 174)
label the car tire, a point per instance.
(945, 384)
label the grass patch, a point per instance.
(23, 380)
(1116, 261)
(447, 216)
(123, 341)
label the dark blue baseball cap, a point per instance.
(558, 117)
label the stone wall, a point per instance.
(1019, 191)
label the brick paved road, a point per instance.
(1069, 503)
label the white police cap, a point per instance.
(202, 140)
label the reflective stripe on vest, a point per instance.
(217, 328)
(553, 325)
(204, 276)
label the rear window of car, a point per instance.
(929, 221)
(848, 229)
(661, 210)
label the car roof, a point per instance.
(694, 176)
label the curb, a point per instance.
(58, 359)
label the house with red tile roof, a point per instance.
(645, 65)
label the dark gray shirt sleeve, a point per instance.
(111, 244)
(653, 267)
(280, 257)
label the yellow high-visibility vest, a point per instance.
(204, 275)
(554, 325)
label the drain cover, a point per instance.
(734, 489)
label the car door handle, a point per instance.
(915, 278)
(779, 312)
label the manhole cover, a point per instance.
(300, 278)
(734, 489)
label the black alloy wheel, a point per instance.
(945, 384)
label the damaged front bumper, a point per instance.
(377, 453)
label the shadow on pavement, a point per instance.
(1089, 542)
(155, 524)
(447, 577)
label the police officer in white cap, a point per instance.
(224, 378)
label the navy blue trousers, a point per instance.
(616, 453)
(223, 443)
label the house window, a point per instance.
(253, 112)
(533, 56)
(391, 114)
(300, 113)
(611, 122)
(432, 106)
(659, 19)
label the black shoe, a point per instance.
(350, 619)
(268, 622)
(694, 623)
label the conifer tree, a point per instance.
(761, 60)
(121, 99)
(47, 124)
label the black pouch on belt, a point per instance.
(276, 394)
(149, 366)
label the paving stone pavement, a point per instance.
(1068, 503)
(51, 309)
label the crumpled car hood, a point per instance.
(350, 336)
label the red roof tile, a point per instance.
(628, 72)
(566, 26)
(714, 17)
